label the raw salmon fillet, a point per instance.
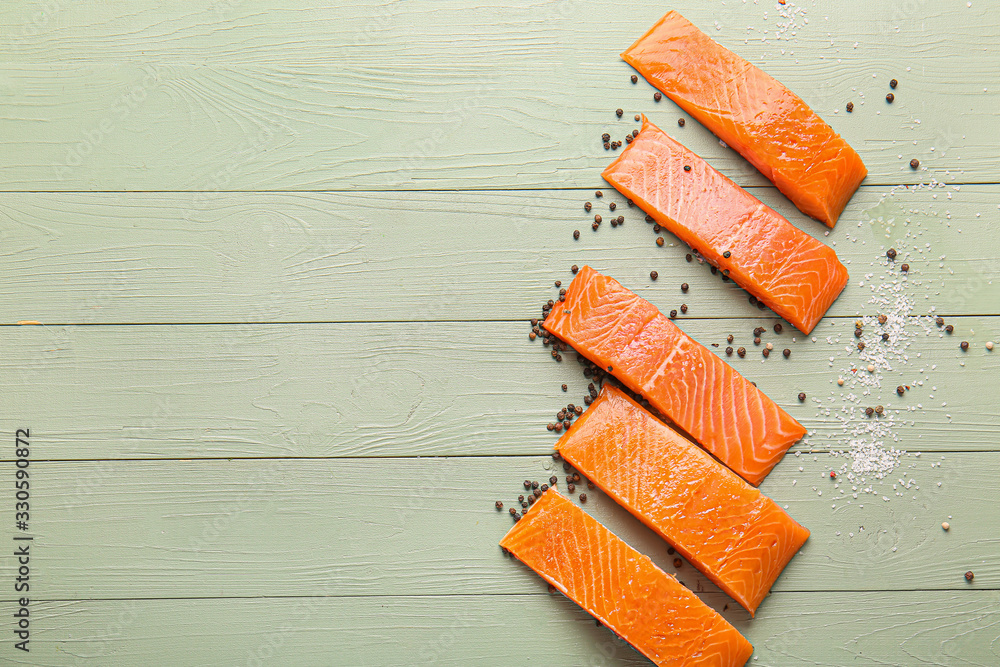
(726, 528)
(751, 112)
(795, 275)
(621, 588)
(698, 391)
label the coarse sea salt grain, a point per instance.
(870, 454)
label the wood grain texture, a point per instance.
(425, 389)
(423, 95)
(364, 527)
(918, 629)
(308, 238)
(270, 257)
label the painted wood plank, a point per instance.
(242, 257)
(836, 629)
(402, 389)
(440, 95)
(363, 527)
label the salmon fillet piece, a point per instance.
(726, 528)
(682, 379)
(795, 275)
(751, 112)
(621, 588)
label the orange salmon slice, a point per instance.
(739, 538)
(751, 112)
(621, 588)
(682, 379)
(795, 275)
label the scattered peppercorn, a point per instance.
(687, 167)
(587, 206)
(889, 98)
(964, 345)
(680, 121)
(891, 253)
(861, 345)
(879, 409)
(571, 487)
(688, 257)
(659, 241)
(786, 352)
(766, 352)
(802, 396)
(777, 327)
(532, 336)
(742, 352)
(595, 225)
(850, 107)
(598, 193)
(527, 483)
(678, 562)
(612, 206)
(969, 576)
(638, 117)
(583, 497)
(900, 389)
(576, 236)
(597, 218)
(653, 275)
(619, 112)
(893, 83)
(657, 97)
(729, 351)
(756, 340)
(605, 137)
(499, 504)
(869, 411)
(621, 220)
(512, 511)
(635, 79)
(727, 254)
(949, 329)
(684, 287)
(673, 314)
(858, 333)
(635, 133)
(882, 319)
(914, 163)
(574, 269)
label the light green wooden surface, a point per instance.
(283, 256)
